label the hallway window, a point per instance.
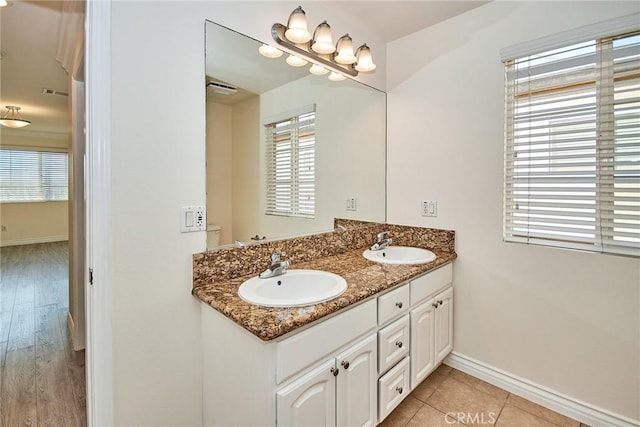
(33, 176)
(572, 146)
(290, 169)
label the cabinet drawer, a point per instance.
(393, 303)
(393, 343)
(430, 283)
(308, 346)
(393, 387)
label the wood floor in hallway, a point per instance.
(42, 379)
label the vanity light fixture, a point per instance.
(3, 3)
(319, 49)
(13, 119)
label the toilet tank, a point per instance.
(213, 236)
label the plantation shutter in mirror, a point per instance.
(572, 146)
(290, 168)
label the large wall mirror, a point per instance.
(253, 104)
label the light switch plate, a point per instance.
(429, 208)
(193, 218)
(352, 204)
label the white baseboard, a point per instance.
(33, 240)
(76, 342)
(561, 403)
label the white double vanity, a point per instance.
(351, 368)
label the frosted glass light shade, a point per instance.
(344, 48)
(365, 61)
(297, 31)
(318, 70)
(336, 77)
(13, 119)
(269, 51)
(295, 61)
(322, 39)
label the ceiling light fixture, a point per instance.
(13, 119)
(319, 49)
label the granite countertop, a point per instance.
(364, 279)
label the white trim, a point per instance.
(620, 25)
(544, 396)
(33, 240)
(35, 134)
(286, 115)
(71, 326)
(99, 348)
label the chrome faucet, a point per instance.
(277, 267)
(381, 242)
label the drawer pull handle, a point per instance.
(345, 364)
(335, 371)
(399, 344)
(399, 304)
(399, 390)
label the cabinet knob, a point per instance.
(399, 344)
(335, 371)
(345, 364)
(435, 304)
(399, 390)
(439, 302)
(399, 304)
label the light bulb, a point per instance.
(297, 31)
(344, 51)
(322, 40)
(269, 51)
(318, 70)
(365, 62)
(336, 77)
(296, 61)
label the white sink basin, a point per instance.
(400, 255)
(295, 288)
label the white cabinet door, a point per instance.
(310, 400)
(422, 342)
(356, 400)
(444, 324)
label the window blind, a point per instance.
(33, 176)
(290, 167)
(572, 146)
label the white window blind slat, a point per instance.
(290, 166)
(572, 146)
(33, 176)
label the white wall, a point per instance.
(246, 169)
(350, 152)
(567, 320)
(219, 168)
(157, 166)
(33, 222)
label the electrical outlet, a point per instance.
(193, 218)
(352, 204)
(429, 208)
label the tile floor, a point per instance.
(449, 397)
